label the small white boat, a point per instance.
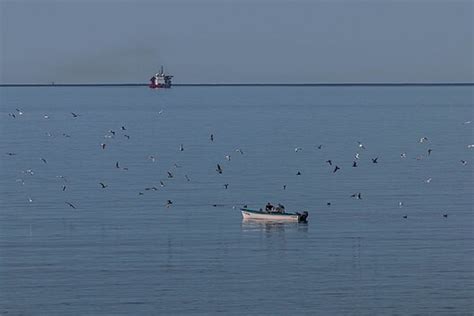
(273, 216)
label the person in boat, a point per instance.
(280, 208)
(268, 207)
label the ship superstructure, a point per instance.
(160, 80)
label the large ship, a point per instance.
(160, 80)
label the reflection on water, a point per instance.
(270, 227)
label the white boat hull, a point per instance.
(269, 216)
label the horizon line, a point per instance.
(303, 84)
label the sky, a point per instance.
(236, 41)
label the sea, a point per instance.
(111, 203)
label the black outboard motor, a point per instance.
(303, 218)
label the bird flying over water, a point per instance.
(212, 137)
(168, 203)
(464, 162)
(117, 165)
(70, 204)
(336, 168)
(44, 160)
(329, 162)
(361, 145)
(74, 114)
(219, 169)
(170, 175)
(429, 151)
(181, 148)
(374, 160)
(103, 185)
(103, 145)
(354, 164)
(240, 151)
(357, 196)
(423, 139)
(226, 185)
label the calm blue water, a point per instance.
(122, 251)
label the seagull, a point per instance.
(140, 193)
(162, 184)
(74, 114)
(46, 116)
(12, 115)
(117, 165)
(357, 156)
(298, 149)
(429, 151)
(64, 188)
(403, 155)
(160, 112)
(177, 166)
(361, 145)
(470, 146)
(127, 136)
(320, 146)
(464, 162)
(374, 160)
(48, 134)
(103, 145)
(227, 157)
(30, 200)
(66, 135)
(405, 216)
(400, 204)
(103, 185)
(467, 122)
(445, 215)
(357, 195)
(329, 162)
(212, 137)
(423, 139)
(19, 111)
(298, 173)
(187, 178)
(284, 187)
(10, 154)
(70, 204)
(44, 160)
(354, 164)
(428, 180)
(152, 158)
(168, 203)
(219, 169)
(181, 148)
(240, 151)
(336, 168)
(123, 128)
(328, 203)
(112, 132)
(226, 185)
(170, 175)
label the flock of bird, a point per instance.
(359, 148)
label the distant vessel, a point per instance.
(273, 215)
(160, 80)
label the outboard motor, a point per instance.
(303, 218)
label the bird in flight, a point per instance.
(219, 169)
(374, 160)
(329, 162)
(357, 196)
(354, 164)
(336, 168)
(70, 204)
(74, 114)
(103, 185)
(168, 203)
(170, 175)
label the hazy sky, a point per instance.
(237, 41)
